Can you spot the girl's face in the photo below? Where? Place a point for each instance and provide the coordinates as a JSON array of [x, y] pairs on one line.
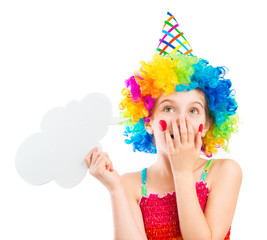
[[174, 106]]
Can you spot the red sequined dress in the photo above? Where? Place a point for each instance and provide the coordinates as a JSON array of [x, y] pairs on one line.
[[160, 214]]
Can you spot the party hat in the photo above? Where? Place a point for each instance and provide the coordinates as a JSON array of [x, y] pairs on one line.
[[173, 39]]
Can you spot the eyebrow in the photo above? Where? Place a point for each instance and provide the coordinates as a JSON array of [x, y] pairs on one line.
[[169, 100]]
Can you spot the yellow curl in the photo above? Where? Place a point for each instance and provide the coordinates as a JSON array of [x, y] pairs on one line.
[[131, 109]]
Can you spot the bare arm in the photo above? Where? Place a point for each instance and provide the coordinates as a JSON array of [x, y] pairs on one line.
[[127, 216], [220, 208], [125, 227], [193, 223], [223, 198]]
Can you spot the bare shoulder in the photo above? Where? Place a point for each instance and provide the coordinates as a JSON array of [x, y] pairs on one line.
[[226, 168], [130, 178], [228, 165], [131, 181]]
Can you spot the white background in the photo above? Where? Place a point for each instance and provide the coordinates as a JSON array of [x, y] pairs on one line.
[[52, 52]]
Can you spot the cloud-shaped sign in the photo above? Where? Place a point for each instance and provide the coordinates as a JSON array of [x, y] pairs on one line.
[[67, 135]]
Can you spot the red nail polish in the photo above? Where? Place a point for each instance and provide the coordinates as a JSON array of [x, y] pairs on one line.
[[200, 127], [162, 125]]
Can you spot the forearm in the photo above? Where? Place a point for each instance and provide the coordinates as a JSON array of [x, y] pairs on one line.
[[125, 227], [193, 223]]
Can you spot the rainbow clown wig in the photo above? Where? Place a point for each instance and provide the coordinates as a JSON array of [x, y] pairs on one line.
[[176, 71]]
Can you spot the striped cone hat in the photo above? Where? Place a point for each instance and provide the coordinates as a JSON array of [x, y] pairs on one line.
[[173, 39]]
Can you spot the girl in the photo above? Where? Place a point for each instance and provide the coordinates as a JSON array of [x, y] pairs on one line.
[[179, 107]]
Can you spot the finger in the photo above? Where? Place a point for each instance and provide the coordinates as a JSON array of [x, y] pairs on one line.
[[94, 167], [95, 156], [111, 166], [103, 160], [198, 141], [175, 133], [183, 130], [190, 130], [108, 165], [101, 163], [92, 150], [169, 141], [88, 157]]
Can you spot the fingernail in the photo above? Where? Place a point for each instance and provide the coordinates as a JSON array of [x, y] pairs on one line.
[[200, 127], [162, 125]]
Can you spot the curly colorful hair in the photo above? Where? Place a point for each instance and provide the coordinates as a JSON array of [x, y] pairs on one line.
[[178, 72]]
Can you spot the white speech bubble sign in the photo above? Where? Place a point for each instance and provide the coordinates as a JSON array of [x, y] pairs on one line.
[[67, 134]]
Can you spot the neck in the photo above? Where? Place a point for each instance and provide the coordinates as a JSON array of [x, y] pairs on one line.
[[163, 166]]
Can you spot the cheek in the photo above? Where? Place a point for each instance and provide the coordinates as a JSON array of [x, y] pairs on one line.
[[162, 125], [195, 124]]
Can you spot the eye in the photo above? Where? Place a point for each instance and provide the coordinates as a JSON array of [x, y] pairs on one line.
[[194, 111], [167, 108]]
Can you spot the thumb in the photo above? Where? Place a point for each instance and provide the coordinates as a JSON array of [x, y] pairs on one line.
[[95, 148]]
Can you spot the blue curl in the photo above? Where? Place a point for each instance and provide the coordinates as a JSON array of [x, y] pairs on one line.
[[140, 139]]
